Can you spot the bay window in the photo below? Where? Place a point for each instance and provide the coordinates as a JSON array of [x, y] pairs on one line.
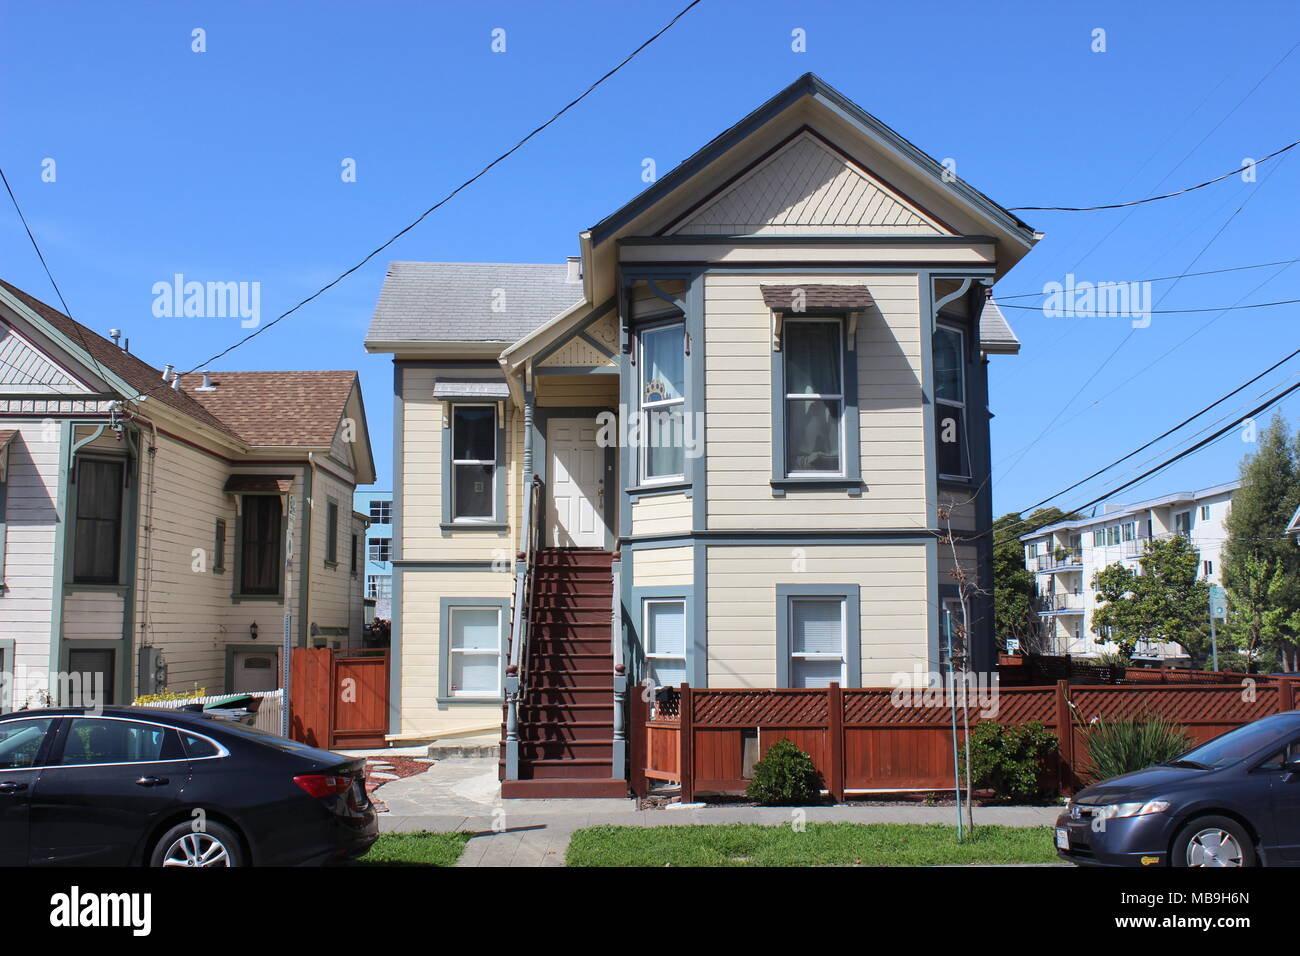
[[950, 403], [662, 394]]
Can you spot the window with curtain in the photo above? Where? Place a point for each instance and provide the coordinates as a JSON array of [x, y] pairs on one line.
[[260, 545], [474, 655], [665, 641], [663, 403], [474, 462], [817, 641], [950, 402], [814, 396], [97, 547]]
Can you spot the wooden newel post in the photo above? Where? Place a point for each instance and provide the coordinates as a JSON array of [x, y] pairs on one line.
[[637, 734], [1064, 737], [835, 727], [686, 753]]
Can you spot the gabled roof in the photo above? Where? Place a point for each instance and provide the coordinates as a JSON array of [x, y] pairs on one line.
[[808, 85], [468, 301], [276, 408], [138, 374]]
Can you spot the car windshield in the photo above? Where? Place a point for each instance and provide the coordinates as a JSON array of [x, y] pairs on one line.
[[1235, 745]]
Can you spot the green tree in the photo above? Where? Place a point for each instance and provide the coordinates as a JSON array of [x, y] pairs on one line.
[[1261, 563], [1165, 602], [1014, 594]]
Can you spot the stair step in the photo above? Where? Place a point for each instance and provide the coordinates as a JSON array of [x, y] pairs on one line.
[[571, 616], [574, 787], [543, 629], [533, 750], [543, 646], [551, 769], [569, 696], [574, 602], [593, 681], [577, 730]]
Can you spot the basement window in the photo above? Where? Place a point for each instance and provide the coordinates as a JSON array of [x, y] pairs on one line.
[[664, 626]]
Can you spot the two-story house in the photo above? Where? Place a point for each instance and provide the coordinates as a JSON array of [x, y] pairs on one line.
[[712, 448], [155, 527]]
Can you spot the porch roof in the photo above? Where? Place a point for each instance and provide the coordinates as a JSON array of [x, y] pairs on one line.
[[471, 388]]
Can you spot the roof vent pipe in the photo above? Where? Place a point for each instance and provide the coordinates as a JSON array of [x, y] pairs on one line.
[[207, 385], [167, 372], [176, 382], [575, 269], [115, 334]]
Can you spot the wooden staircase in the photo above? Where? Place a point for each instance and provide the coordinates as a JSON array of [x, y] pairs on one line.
[[566, 716]]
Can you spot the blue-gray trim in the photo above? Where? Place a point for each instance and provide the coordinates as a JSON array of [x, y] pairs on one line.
[[805, 240], [851, 453], [852, 627], [4, 493], [417, 564], [760, 538], [444, 645], [807, 85], [500, 522], [699, 672], [542, 416]]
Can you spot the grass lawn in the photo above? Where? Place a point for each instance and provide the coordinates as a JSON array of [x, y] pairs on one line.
[[821, 844], [415, 849]]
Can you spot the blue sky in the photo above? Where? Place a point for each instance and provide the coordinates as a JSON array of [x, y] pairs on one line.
[[225, 166]]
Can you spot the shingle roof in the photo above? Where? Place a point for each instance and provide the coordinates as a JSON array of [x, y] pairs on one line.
[[995, 331], [816, 296], [262, 408], [469, 301], [139, 374], [276, 408]]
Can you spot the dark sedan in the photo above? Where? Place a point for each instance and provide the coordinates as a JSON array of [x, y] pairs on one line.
[[1234, 801], [135, 786]]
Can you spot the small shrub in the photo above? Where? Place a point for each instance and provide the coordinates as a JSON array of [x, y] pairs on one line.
[[1008, 759], [168, 695], [1122, 746], [785, 777]]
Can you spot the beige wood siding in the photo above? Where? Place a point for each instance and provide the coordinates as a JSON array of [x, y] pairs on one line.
[[894, 605], [739, 442], [661, 514], [420, 651], [662, 567]]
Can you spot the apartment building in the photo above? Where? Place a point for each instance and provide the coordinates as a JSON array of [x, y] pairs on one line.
[[1064, 557], [378, 507]]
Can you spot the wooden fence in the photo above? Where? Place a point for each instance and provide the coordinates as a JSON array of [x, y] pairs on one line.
[[339, 698], [874, 739]]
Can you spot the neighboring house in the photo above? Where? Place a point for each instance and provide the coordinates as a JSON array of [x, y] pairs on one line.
[[1065, 556], [377, 506], [788, 334], [144, 520]]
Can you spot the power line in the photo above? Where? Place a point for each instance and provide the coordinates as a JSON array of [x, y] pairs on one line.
[[1139, 202], [1219, 308], [1186, 275], [445, 199]]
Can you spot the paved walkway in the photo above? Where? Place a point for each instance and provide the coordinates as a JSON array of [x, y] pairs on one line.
[[463, 795]]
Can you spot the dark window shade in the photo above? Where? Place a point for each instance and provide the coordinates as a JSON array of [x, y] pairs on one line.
[[949, 434], [353, 563], [259, 571], [98, 535], [474, 433], [219, 546], [92, 673], [332, 532]]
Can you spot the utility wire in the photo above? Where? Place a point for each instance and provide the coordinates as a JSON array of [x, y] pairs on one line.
[[1139, 202], [1219, 308], [445, 199], [1186, 275]]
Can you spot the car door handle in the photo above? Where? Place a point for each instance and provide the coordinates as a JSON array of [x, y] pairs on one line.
[[12, 787], [151, 781]]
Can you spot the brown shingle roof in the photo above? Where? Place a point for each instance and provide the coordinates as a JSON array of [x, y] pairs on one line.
[[276, 408], [262, 408], [816, 297], [138, 374]]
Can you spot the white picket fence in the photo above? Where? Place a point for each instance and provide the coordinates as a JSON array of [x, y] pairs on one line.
[[268, 712]]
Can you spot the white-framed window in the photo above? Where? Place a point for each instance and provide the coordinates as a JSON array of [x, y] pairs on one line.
[[379, 586], [662, 394], [381, 511], [813, 385], [1098, 539], [818, 641], [473, 463], [1183, 523], [1130, 530], [664, 627], [1205, 512], [474, 651], [379, 550], [1209, 569], [950, 402]]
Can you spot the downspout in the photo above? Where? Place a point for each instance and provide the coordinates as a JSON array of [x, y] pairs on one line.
[[146, 622]]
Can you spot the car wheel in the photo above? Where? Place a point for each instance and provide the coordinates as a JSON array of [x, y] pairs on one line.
[[1213, 841], [215, 845]]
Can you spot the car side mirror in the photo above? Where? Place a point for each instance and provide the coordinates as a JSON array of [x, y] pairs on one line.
[[1292, 767]]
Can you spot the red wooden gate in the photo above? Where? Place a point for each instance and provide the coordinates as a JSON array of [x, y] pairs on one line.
[[339, 698]]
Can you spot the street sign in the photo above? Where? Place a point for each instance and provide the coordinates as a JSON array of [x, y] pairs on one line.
[[1218, 602]]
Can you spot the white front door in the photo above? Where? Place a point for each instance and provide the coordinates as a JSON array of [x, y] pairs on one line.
[[575, 513]]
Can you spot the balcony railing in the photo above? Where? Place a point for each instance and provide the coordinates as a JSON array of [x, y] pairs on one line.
[[1059, 559], [1060, 602]]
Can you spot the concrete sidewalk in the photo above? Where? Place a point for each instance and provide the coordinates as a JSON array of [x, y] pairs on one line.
[[463, 795]]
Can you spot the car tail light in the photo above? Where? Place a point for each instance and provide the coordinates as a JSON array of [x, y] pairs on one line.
[[322, 784]]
